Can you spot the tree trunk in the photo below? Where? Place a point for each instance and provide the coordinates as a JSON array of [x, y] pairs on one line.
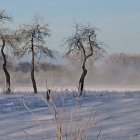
[[7, 75], [32, 68], [82, 80]]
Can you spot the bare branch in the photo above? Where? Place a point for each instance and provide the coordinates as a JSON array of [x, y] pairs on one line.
[[83, 41], [38, 31], [8, 36], [4, 16]]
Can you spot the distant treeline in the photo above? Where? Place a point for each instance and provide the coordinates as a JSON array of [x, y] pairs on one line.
[[26, 66], [116, 70]]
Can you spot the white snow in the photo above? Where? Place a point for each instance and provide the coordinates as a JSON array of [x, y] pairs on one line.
[[112, 115]]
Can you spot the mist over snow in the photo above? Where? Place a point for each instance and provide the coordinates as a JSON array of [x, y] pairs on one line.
[[111, 71]]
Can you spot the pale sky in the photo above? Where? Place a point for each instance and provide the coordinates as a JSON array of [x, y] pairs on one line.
[[118, 20]]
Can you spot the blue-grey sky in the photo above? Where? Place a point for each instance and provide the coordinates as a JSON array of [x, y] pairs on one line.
[[118, 20]]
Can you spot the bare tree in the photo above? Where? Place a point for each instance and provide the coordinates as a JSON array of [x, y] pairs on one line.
[[6, 38], [84, 43], [33, 40]]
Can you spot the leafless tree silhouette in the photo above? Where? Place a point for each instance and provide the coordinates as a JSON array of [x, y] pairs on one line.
[[84, 42], [6, 39], [33, 40]]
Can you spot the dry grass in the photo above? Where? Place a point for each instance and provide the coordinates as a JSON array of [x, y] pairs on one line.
[[70, 122]]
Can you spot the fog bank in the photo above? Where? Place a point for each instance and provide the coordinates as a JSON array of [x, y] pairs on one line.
[[112, 71]]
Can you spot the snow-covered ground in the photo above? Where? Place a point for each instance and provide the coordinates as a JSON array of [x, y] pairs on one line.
[[98, 115]]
